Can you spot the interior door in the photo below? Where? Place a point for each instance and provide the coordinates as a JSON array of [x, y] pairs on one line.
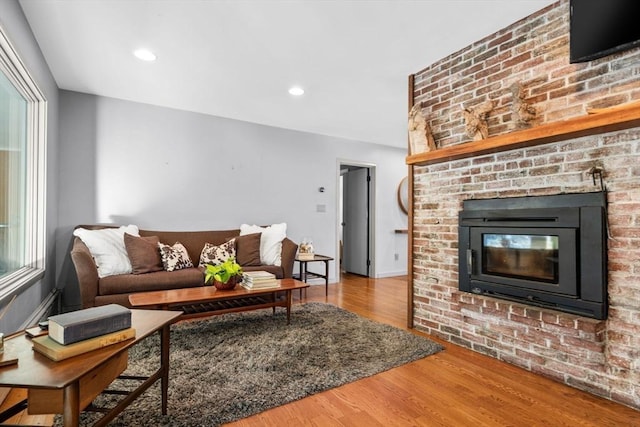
[[355, 258]]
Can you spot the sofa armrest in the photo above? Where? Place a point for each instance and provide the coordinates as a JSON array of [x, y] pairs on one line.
[[289, 250], [87, 272]]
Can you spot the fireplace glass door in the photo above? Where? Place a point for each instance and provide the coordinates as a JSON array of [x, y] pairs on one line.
[[537, 258], [523, 256]]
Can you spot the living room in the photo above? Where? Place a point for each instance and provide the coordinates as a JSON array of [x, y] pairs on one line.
[[88, 136], [83, 159], [119, 161]]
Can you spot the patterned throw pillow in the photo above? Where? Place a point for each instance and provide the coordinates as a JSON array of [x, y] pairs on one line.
[[174, 257], [214, 255]]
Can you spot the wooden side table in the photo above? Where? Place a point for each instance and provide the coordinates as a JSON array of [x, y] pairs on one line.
[[304, 272], [69, 386]]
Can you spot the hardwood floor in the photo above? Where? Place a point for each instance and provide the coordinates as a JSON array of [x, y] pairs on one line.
[[455, 387]]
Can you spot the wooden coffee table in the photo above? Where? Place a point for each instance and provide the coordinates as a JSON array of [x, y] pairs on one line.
[[69, 386], [207, 300]]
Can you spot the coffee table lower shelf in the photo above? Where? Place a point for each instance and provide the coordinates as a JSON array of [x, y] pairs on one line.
[[228, 306], [207, 300]]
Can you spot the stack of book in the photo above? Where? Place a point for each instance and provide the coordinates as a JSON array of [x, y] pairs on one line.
[[78, 332], [259, 280]]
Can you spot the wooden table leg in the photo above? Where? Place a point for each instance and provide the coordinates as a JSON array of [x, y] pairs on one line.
[[274, 296], [71, 405], [302, 278], [289, 297], [164, 366], [326, 278]]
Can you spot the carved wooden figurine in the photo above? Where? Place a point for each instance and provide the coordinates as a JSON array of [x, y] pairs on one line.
[[475, 120], [523, 112], [420, 137]]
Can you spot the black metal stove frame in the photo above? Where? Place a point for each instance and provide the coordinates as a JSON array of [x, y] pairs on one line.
[[579, 221]]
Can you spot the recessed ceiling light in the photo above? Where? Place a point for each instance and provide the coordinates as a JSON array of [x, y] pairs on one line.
[[144, 54], [296, 91]]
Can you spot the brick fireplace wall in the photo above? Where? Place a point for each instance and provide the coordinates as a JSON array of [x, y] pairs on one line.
[[600, 356]]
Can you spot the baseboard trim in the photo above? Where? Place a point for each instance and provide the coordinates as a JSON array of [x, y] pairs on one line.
[[391, 274], [313, 282], [44, 309]]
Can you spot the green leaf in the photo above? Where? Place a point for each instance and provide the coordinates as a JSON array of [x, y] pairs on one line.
[[222, 272]]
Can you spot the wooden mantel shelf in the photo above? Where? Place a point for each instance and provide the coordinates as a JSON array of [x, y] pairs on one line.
[[606, 120]]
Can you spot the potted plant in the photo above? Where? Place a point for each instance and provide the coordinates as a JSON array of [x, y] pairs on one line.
[[224, 276]]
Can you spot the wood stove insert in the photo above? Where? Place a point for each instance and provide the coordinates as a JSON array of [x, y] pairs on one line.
[[546, 251]]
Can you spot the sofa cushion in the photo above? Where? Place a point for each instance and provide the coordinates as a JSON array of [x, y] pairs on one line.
[[270, 241], [158, 280], [143, 253], [174, 257], [214, 255], [107, 248], [248, 249], [194, 241]]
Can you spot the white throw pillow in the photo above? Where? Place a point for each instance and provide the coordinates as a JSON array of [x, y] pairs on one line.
[[108, 249], [270, 241]]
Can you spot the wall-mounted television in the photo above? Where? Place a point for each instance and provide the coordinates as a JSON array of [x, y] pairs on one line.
[[601, 27]]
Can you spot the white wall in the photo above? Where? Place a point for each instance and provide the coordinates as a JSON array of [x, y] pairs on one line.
[[159, 168], [15, 26]]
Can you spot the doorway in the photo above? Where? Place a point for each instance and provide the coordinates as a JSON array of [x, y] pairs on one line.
[[356, 219]]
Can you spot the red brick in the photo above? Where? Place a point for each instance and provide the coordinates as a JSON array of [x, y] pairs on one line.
[[530, 356], [583, 344], [524, 320], [564, 113], [587, 74], [559, 90]]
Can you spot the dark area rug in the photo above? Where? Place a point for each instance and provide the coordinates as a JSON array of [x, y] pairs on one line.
[[232, 366]]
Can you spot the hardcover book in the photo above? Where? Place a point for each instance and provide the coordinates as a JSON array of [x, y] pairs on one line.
[[263, 285], [56, 351], [259, 275], [259, 279], [80, 325]]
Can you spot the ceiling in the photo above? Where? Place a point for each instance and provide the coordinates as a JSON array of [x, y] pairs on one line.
[[237, 59]]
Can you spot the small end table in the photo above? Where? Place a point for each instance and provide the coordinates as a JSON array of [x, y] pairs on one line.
[[304, 272], [69, 386]]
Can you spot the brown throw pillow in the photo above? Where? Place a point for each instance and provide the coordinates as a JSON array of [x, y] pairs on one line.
[[248, 249], [143, 253]]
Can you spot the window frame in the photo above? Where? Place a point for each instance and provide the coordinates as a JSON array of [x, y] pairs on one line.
[[33, 270]]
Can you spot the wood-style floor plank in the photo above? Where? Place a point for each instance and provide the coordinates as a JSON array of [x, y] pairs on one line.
[[456, 387]]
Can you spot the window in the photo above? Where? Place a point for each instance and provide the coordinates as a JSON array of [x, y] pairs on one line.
[[22, 174]]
